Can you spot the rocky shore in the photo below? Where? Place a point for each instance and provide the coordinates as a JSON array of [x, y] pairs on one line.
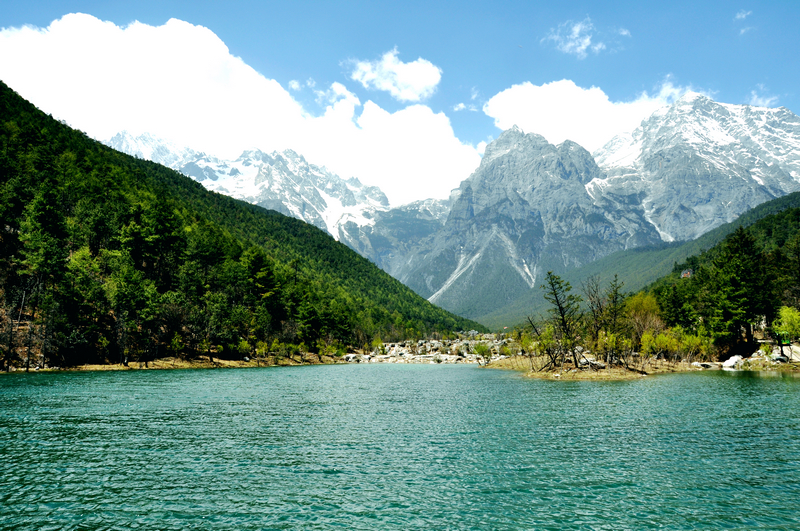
[[434, 351], [760, 360]]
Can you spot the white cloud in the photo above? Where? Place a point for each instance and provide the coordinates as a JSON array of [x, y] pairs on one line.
[[624, 32], [744, 30], [464, 107], [742, 14], [180, 82], [407, 82], [575, 38], [561, 110], [294, 85], [760, 100]]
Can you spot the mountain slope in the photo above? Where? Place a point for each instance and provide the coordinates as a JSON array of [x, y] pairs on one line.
[[280, 181], [699, 163], [106, 252]]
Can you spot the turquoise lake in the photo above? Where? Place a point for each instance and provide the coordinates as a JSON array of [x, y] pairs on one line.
[[397, 447]]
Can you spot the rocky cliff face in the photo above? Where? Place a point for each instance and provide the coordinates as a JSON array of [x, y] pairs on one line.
[[391, 240], [699, 163], [524, 211]]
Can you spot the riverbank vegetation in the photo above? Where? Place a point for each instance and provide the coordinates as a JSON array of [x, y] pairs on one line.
[[105, 258], [738, 298]]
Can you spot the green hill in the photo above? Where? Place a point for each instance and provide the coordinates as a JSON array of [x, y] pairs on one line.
[[103, 256], [638, 268]]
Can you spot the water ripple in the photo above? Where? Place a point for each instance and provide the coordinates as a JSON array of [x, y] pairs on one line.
[[396, 447]]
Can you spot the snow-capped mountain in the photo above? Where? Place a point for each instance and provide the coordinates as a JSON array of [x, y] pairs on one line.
[[523, 212], [697, 163], [530, 206], [281, 181]]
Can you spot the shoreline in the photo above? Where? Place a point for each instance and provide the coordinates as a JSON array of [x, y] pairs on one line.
[[176, 364], [435, 352], [654, 368], [172, 363]]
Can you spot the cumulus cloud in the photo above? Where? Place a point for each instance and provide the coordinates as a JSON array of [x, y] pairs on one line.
[[762, 100], [742, 14], [177, 80], [406, 82], [575, 38], [180, 82], [562, 110], [294, 85]]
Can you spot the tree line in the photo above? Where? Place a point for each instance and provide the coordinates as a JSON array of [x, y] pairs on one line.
[[713, 306]]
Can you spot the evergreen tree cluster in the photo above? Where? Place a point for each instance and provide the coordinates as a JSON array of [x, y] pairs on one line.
[[105, 258], [736, 288]]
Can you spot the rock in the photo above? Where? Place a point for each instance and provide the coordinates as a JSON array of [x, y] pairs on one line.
[[732, 363], [591, 362]]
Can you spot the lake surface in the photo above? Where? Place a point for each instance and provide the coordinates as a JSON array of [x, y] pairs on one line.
[[397, 447]]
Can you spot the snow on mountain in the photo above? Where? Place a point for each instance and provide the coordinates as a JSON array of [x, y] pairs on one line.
[[148, 147], [282, 181], [697, 163], [524, 211], [530, 207]]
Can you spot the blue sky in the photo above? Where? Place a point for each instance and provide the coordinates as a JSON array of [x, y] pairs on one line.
[[498, 63]]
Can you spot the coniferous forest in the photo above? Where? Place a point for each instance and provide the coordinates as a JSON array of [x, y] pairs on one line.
[[108, 258], [748, 283]]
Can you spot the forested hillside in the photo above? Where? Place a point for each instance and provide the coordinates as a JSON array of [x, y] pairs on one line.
[[740, 284], [105, 257]]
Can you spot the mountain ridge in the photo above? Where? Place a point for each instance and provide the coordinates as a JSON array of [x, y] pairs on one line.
[[532, 206]]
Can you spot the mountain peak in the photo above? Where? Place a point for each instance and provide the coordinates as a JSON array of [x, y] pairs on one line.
[[692, 96], [701, 163], [509, 140]]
